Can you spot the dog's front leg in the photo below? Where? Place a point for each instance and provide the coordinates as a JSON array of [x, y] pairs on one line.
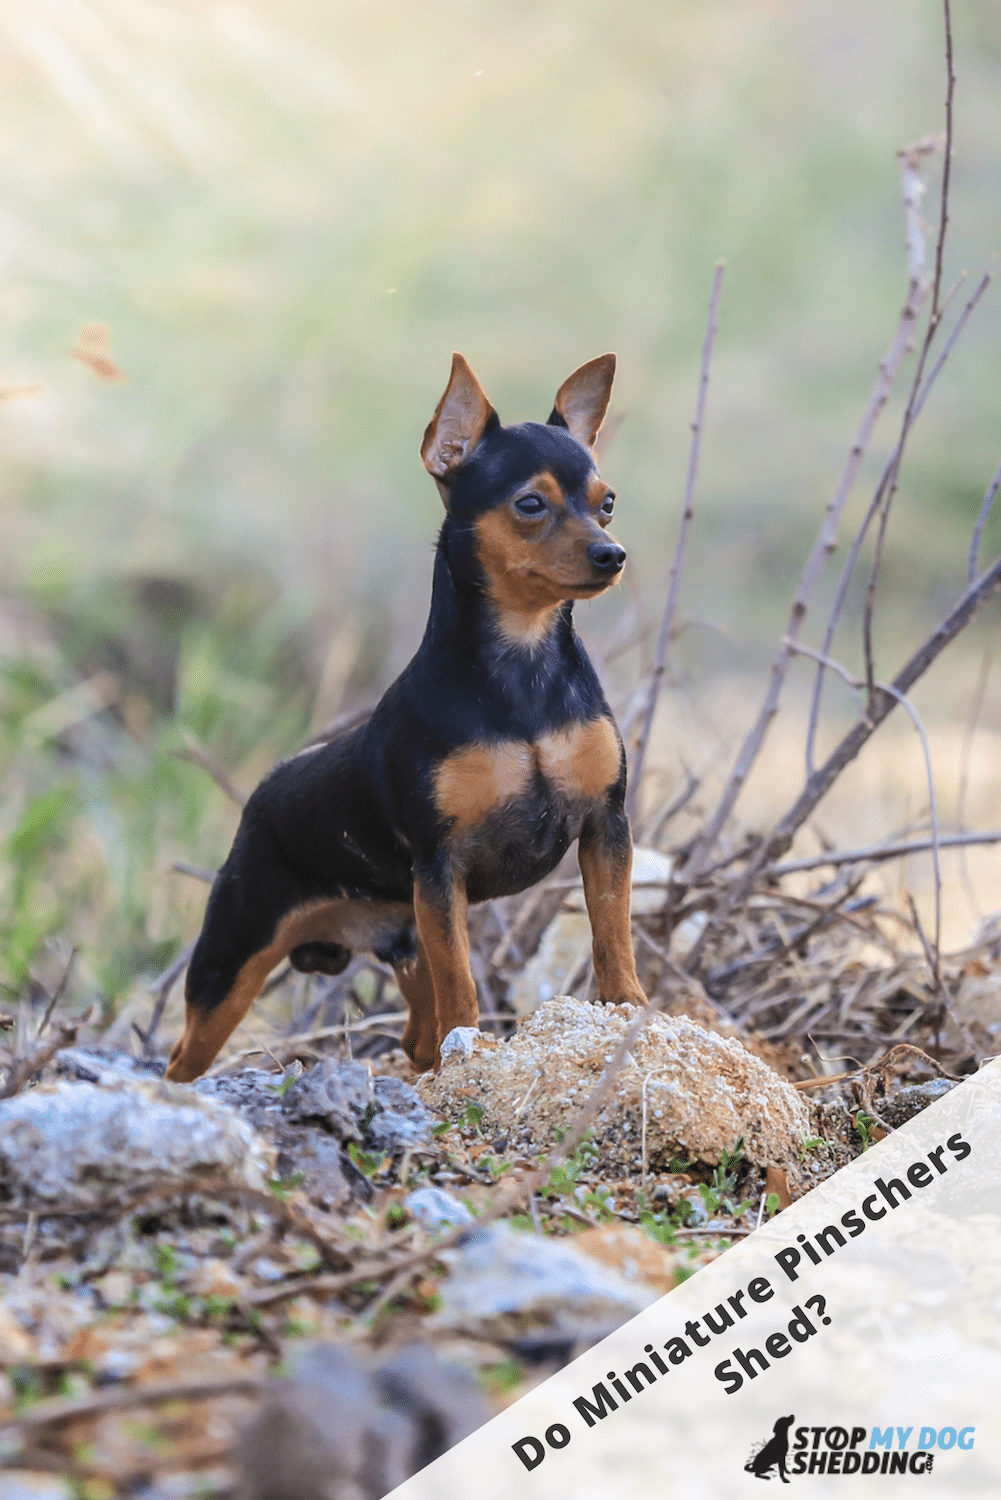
[[441, 908], [605, 854]]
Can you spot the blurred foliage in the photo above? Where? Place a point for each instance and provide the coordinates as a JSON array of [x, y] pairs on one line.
[[286, 216]]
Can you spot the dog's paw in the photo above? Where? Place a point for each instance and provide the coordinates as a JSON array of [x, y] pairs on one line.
[[459, 1043]]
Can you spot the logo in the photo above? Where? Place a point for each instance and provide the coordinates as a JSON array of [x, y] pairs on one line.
[[856, 1450]]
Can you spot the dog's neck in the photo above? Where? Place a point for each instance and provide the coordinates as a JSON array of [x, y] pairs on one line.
[[469, 645]]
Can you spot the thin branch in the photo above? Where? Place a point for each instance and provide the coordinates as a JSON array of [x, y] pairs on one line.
[[827, 538], [934, 319], [847, 572], [197, 754], [670, 608], [978, 530], [54, 1413], [161, 988], [59, 990], [24, 1068], [877, 853]]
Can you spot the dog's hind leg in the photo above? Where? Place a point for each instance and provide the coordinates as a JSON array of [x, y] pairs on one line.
[[444, 936], [420, 1039], [245, 934]]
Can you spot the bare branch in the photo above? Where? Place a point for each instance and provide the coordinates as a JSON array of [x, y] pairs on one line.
[[670, 608], [827, 538], [59, 990], [982, 518], [197, 754], [877, 853], [841, 593], [23, 1069]]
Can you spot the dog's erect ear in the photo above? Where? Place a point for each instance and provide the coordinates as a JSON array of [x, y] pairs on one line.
[[582, 399], [458, 422]]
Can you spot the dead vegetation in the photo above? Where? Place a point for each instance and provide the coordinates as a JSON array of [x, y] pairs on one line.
[[165, 1252]]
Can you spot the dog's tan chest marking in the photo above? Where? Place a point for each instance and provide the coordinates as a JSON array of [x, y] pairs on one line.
[[582, 759], [579, 762]]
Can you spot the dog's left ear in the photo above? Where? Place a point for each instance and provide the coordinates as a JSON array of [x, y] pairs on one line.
[[457, 425], [582, 399]]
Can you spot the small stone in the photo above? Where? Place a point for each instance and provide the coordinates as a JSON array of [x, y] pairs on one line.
[[433, 1209], [459, 1044]]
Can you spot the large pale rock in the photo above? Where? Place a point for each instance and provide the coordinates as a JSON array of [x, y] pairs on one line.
[[703, 1091], [81, 1143], [505, 1284]]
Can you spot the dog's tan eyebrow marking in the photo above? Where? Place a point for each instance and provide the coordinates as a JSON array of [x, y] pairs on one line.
[[597, 491]]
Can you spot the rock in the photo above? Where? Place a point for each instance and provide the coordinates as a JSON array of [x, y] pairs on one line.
[[347, 1428], [565, 945], [459, 1042], [81, 1143], [328, 1177], [254, 1093], [402, 1120], [703, 1091], [27, 1484], [433, 1209], [88, 1065], [339, 1094], [641, 1260], [504, 1284], [906, 1103]]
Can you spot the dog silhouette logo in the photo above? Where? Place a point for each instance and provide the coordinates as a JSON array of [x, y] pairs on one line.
[[772, 1454]]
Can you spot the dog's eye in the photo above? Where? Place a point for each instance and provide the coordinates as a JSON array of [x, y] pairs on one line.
[[529, 505], [608, 504]]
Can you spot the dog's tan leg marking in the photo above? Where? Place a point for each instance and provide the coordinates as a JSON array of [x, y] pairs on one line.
[[420, 1039], [607, 891], [444, 936], [206, 1031], [332, 921]]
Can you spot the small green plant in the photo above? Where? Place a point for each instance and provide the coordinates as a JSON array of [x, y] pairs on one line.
[[442, 1128], [864, 1125], [167, 1264], [282, 1187], [281, 1089], [812, 1143], [716, 1193], [500, 1378], [677, 1165], [772, 1204], [663, 1226], [563, 1179], [370, 1163], [474, 1114]]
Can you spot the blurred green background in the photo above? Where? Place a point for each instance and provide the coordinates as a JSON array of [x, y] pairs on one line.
[[286, 217]]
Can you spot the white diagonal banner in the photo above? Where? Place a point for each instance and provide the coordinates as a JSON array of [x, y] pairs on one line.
[[851, 1344]]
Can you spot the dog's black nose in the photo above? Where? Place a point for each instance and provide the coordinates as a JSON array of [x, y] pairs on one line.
[[607, 557]]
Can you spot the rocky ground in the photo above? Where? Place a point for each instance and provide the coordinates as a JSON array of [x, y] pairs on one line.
[[247, 1285]]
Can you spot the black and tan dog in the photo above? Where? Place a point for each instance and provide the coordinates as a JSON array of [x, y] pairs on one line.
[[487, 757]]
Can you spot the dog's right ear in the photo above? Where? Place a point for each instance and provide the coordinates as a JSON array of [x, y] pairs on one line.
[[457, 425]]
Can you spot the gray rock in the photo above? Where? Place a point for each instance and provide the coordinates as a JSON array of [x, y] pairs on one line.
[[338, 1094], [329, 1181], [459, 1043], [402, 1120], [254, 1093], [433, 1209], [906, 1103], [89, 1065], [504, 1283], [344, 1428], [82, 1143], [27, 1484]]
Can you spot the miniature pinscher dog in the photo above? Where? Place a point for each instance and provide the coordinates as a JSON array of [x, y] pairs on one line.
[[485, 759]]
